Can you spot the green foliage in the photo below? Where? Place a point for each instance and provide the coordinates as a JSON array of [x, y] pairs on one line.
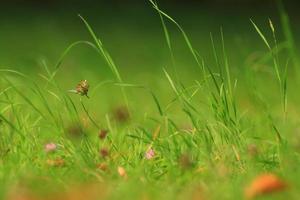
[[215, 131]]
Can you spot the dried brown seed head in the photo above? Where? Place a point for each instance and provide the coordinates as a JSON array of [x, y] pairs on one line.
[[102, 134], [102, 167], [121, 114], [82, 88], [104, 152]]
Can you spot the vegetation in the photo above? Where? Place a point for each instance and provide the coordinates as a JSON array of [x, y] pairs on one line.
[[203, 131]]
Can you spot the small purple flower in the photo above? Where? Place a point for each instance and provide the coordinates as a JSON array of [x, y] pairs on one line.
[[50, 147], [149, 154]]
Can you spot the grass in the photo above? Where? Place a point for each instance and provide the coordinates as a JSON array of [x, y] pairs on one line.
[[213, 126]]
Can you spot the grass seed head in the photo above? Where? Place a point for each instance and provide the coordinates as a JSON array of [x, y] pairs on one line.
[[102, 166], [74, 131], [104, 152], [121, 114], [185, 161], [103, 134], [82, 88]]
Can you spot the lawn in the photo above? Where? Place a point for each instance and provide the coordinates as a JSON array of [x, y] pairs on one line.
[[149, 103]]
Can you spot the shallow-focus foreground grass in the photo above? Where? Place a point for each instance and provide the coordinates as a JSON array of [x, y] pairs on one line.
[[203, 137]]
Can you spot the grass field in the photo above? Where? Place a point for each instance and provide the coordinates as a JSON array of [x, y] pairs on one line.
[[199, 108]]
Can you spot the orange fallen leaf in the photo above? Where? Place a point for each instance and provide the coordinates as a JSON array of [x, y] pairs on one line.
[[264, 184], [122, 172]]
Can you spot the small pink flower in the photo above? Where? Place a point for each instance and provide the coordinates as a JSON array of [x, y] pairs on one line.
[[50, 147], [149, 154]]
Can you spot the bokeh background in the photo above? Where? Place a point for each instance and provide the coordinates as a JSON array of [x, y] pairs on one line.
[[32, 31]]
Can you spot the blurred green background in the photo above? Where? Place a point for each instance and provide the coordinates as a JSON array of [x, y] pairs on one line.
[[130, 29], [33, 31]]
